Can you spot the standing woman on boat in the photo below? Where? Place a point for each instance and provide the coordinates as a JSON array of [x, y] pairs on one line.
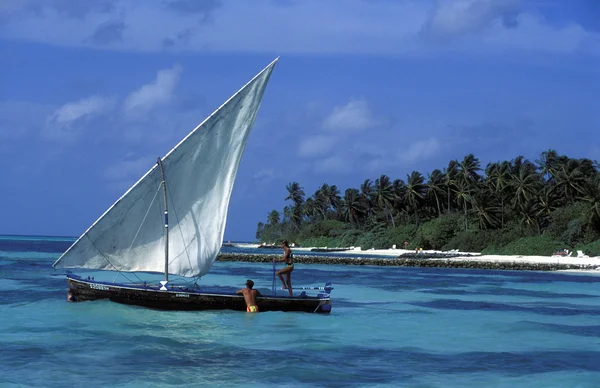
[[288, 259]]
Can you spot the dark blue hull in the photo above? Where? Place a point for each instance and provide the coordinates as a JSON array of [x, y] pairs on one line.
[[185, 298]]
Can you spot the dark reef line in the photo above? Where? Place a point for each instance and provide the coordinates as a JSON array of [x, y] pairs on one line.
[[408, 262]]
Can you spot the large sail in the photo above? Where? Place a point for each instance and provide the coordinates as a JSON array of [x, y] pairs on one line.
[[200, 172]]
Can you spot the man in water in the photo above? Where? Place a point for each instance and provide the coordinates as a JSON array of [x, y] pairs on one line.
[[288, 258], [249, 296]]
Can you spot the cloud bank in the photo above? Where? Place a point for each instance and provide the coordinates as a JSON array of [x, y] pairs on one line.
[[349, 26]]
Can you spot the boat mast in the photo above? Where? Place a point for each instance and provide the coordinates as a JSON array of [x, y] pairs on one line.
[[164, 186]]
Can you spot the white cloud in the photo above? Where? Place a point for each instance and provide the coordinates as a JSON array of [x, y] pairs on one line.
[[157, 93], [534, 35], [86, 107], [69, 121], [453, 18], [351, 26], [316, 145], [264, 175], [332, 145], [336, 164], [419, 150], [354, 116], [66, 122]]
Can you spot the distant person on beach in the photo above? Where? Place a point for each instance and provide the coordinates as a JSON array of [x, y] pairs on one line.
[[249, 296], [288, 259]]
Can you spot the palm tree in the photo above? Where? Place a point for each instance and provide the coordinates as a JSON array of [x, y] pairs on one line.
[[353, 206], [273, 218], [399, 189], [525, 184], [547, 163], [435, 188], [468, 170], [519, 163], [450, 180], [311, 210], [498, 178], [332, 197], [259, 231], [527, 211], [296, 195], [570, 180], [366, 196], [463, 197], [320, 201], [486, 209], [591, 195], [588, 168], [287, 215], [384, 196], [547, 202], [415, 192]]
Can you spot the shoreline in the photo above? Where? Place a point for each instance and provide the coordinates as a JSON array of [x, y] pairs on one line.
[[516, 263]]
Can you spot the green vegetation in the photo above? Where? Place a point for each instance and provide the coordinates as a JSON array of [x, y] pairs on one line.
[[511, 207]]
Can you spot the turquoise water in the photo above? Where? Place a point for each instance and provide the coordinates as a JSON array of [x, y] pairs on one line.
[[389, 327]]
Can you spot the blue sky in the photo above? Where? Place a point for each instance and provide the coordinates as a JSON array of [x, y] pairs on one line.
[[92, 92]]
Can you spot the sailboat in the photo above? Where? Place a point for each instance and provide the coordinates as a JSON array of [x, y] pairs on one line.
[[172, 221]]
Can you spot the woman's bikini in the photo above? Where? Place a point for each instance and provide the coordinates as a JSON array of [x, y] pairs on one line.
[[291, 261]]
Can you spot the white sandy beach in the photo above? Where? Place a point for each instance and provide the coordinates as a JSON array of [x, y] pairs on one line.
[[476, 256]]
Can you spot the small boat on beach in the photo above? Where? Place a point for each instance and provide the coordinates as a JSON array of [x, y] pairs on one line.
[[172, 222]]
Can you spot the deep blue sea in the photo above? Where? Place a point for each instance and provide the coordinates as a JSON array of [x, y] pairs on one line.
[[389, 327]]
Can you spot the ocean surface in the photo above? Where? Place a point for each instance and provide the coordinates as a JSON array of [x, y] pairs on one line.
[[389, 327]]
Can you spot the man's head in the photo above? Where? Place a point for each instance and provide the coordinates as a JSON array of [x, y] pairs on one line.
[[249, 283], [285, 243]]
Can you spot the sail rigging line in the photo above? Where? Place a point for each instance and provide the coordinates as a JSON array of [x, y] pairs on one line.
[[138, 232], [109, 262], [143, 220], [185, 246]]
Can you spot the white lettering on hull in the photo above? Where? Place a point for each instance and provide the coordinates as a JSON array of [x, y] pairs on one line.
[[100, 287]]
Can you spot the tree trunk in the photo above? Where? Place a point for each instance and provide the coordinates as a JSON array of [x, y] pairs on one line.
[[466, 219], [502, 211]]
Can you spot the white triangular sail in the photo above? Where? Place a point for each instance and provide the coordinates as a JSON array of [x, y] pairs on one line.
[[200, 172]]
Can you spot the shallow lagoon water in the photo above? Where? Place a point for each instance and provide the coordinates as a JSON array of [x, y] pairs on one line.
[[389, 327]]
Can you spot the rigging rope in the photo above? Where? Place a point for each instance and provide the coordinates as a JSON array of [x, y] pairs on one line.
[[185, 246], [136, 235], [108, 261], [144, 219]]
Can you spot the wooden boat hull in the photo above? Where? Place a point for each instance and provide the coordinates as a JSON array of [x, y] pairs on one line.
[[184, 298]]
